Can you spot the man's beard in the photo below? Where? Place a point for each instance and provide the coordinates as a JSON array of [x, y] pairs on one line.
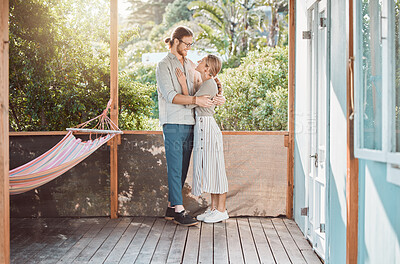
[[180, 52]]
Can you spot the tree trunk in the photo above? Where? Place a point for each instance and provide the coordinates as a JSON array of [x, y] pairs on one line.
[[273, 27]]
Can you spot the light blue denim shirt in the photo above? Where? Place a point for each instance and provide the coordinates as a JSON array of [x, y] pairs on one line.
[[168, 87]]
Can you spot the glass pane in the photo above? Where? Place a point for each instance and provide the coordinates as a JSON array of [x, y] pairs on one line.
[[371, 111], [397, 73]]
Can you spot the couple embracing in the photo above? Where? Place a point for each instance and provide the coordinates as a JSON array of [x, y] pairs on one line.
[[187, 95]]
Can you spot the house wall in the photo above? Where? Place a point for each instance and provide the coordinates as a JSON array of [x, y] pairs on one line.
[[255, 163], [336, 210], [336, 175], [379, 215]]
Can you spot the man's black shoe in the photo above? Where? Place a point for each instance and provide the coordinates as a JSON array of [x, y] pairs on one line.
[[184, 219], [170, 213]]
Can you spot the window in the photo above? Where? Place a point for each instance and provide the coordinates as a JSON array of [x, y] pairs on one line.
[[369, 80], [395, 105], [377, 83], [393, 156]]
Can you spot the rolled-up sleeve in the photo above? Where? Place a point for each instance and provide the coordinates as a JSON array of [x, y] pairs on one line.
[[164, 82]]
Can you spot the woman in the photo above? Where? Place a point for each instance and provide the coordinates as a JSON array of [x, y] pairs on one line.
[[208, 158]]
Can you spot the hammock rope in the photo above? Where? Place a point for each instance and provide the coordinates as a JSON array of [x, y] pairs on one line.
[[64, 155]]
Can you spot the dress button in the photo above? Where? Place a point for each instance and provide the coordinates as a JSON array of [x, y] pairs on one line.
[[201, 129], [201, 139]]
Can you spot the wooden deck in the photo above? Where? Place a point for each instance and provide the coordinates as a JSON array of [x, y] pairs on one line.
[[155, 240]]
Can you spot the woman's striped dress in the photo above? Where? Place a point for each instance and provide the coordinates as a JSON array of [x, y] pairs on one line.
[[209, 173]]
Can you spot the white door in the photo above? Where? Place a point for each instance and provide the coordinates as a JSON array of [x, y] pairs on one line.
[[318, 137]]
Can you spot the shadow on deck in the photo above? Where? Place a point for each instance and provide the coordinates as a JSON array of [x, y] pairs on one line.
[[155, 240]]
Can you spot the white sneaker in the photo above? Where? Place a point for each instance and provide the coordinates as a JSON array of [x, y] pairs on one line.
[[216, 217], [203, 215]]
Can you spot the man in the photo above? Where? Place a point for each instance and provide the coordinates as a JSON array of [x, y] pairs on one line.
[[176, 120]]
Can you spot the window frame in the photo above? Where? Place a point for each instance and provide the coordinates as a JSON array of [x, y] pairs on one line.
[[365, 153], [387, 34], [392, 157]]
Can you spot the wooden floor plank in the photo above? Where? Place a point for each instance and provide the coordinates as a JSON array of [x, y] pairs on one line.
[[261, 242], [291, 248], [301, 242], [175, 254], [111, 241], [234, 247], [33, 231], [220, 243], [96, 242], [147, 251], [122, 245], [206, 243], [83, 240], [41, 235], [310, 256], [137, 242], [297, 235], [164, 244], [53, 250], [153, 240], [84, 226], [274, 241], [192, 246], [246, 237]]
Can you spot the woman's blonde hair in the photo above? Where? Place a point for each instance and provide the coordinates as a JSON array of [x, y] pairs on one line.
[[214, 64]]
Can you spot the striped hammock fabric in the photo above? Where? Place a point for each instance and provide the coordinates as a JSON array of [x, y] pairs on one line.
[[62, 157]]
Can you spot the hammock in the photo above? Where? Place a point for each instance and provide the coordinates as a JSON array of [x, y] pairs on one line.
[[63, 156]]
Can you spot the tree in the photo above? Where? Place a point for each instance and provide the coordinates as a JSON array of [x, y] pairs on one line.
[[177, 11], [222, 24], [143, 11], [277, 6], [59, 66], [230, 25]]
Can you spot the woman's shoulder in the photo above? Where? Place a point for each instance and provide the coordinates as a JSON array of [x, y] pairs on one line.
[[210, 83], [209, 86]]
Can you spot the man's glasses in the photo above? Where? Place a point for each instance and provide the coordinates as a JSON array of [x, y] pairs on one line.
[[188, 45]]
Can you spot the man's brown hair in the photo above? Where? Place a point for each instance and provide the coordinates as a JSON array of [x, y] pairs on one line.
[[179, 33]]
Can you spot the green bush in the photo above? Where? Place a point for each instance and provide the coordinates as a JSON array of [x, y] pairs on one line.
[[256, 92], [136, 104], [60, 68]]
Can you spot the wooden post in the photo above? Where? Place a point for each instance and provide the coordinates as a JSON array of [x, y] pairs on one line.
[[352, 162], [114, 107], [290, 155], [4, 144]]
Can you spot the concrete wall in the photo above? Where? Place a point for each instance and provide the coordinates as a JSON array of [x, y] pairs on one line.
[[255, 164]]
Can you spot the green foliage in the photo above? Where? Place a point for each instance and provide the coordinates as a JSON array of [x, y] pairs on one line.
[[177, 11], [54, 65], [143, 73], [136, 104], [146, 74], [59, 67], [256, 92], [147, 10]]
